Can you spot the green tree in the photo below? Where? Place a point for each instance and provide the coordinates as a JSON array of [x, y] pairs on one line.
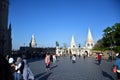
[[117, 34], [107, 36], [99, 44], [110, 38]]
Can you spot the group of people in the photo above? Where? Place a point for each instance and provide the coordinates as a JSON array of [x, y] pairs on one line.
[[116, 68], [20, 69]]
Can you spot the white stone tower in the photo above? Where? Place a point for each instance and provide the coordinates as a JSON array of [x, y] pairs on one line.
[[89, 41], [33, 42], [73, 47]]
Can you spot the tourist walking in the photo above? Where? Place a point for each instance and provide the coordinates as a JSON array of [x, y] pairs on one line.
[[51, 57], [27, 73], [70, 55], [54, 58], [47, 62], [84, 56], [117, 65], [110, 56], [99, 57], [74, 58]]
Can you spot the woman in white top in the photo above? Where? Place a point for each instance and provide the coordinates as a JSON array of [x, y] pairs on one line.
[[73, 59], [18, 66]]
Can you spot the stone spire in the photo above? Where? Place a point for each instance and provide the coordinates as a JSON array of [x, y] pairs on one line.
[[33, 42], [89, 40], [73, 43]]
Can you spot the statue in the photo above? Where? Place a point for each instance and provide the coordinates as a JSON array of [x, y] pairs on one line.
[[57, 44]]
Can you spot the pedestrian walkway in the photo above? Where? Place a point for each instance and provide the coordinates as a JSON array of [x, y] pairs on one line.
[[64, 69]]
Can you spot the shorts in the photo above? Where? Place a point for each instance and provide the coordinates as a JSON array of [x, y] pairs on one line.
[[47, 66]]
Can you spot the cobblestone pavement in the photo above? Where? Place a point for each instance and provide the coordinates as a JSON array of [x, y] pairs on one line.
[[64, 69]]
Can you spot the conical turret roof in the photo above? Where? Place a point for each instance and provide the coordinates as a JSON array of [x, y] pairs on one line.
[[89, 37]]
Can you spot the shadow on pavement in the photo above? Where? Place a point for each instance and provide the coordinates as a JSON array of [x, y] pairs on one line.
[[38, 75], [105, 74], [53, 67], [97, 63], [45, 77]]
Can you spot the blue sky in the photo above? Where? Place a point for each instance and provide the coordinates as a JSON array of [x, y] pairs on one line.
[[58, 20]]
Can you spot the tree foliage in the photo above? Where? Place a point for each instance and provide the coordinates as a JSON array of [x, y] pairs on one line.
[[111, 38]]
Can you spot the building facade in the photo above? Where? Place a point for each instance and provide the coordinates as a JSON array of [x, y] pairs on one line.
[[74, 49], [5, 30]]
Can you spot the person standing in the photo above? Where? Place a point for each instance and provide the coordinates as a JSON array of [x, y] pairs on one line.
[[74, 58], [110, 56], [47, 62], [5, 69], [12, 64], [19, 68], [51, 57], [84, 56], [117, 65], [27, 73], [99, 58], [54, 58]]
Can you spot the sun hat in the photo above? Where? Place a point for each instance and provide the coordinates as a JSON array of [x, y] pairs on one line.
[[11, 60]]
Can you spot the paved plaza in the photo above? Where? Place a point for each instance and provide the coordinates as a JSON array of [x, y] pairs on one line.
[[64, 69]]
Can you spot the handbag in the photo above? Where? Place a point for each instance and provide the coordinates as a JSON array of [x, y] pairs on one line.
[[115, 69]]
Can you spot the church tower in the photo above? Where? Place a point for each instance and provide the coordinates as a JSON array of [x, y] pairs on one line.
[[73, 47], [33, 42], [5, 31], [89, 41]]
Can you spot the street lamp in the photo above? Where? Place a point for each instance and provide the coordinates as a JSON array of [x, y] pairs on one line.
[[111, 45], [79, 49]]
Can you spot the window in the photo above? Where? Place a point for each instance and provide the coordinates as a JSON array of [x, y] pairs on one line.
[[88, 44], [3, 5], [91, 44]]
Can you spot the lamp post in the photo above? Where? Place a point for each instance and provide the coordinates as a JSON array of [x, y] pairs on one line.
[[111, 55], [111, 46], [79, 50]]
